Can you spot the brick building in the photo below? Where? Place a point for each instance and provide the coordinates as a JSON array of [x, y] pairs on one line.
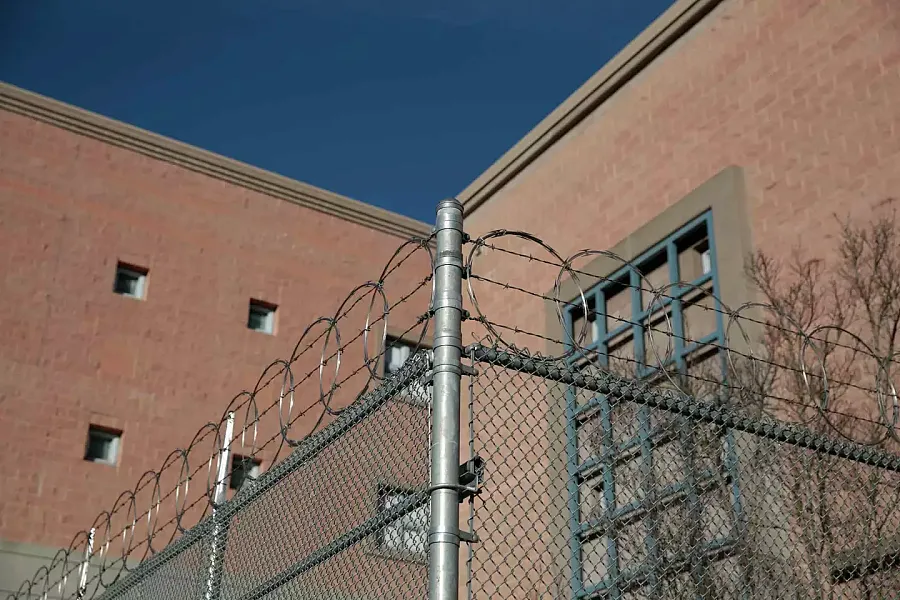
[[135, 269], [725, 127]]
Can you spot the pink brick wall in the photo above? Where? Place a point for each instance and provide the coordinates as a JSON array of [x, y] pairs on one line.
[[802, 94], [75, 353]]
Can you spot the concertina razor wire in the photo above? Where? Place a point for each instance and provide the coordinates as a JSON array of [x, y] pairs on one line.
[[629, 435], [167, 505]]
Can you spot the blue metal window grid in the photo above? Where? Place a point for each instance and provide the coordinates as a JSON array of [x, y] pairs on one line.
[[618, 580]]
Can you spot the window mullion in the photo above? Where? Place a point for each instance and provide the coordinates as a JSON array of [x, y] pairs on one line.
[[693, 527], [609, 497], [687, 255], [651, 540], [600, 319], [637, 328], [677, 321]]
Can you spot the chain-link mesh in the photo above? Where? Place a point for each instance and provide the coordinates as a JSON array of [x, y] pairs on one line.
[[181, 574], [312, 483], [658, 455], [343, 517], [597, 486]]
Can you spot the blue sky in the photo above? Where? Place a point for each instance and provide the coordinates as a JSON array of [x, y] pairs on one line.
[[398, 103]]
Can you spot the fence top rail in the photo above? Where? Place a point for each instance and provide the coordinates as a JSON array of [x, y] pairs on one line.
[[676, 402], [681, 296]]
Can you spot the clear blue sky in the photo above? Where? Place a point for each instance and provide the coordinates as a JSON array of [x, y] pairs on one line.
[[398, 103]]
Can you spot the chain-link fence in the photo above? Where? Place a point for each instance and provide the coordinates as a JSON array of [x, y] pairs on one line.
[[597, 486], [662, 446], [314, 482], [643, 440], [344, 517]]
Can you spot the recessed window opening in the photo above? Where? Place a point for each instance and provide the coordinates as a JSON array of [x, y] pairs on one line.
[[396, 353], [261, 317], [102, 445], [408, 534], [130, 281], [620, 444], [243, 469]]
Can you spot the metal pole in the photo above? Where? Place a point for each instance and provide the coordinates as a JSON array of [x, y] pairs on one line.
[[88, 551], [216, 562], [470, 549], [443, 534]]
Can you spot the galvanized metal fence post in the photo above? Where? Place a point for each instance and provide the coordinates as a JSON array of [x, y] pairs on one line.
[[220, 531], [443, 535]]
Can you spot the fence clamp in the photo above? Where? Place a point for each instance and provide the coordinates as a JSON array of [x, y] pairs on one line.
[[427, 377], [468, 537], [471, 473]]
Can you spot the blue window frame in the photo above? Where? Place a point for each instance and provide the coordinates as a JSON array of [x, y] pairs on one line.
[[654, 500]]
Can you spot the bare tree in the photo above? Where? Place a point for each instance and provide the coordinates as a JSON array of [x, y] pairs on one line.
[[818, 350], [825, 353]]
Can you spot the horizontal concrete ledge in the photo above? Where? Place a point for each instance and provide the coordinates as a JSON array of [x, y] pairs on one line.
[[636, 56], [110, 131]]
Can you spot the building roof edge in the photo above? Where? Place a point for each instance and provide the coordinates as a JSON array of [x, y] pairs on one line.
[[637, 55], [89, 124]]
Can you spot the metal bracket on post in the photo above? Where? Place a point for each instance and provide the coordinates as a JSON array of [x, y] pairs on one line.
[[427, 377], [85, 565], [471, 474], [443, 533], [469, 538], [220, 530]]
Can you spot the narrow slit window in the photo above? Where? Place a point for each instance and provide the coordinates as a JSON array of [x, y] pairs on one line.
[[396, 353], [102, 445], [243, 469], [261, 317], [407, 535], [130, 281]]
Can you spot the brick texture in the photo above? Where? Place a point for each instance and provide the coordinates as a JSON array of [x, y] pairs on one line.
[[74, 353], [800, 93]]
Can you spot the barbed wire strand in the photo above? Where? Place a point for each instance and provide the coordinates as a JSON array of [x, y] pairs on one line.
[[628, 264], [671, 334], [127, 500], [718, 382]]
